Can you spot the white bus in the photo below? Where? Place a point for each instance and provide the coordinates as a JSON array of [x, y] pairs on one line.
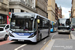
[[64, 25], [28, 27]]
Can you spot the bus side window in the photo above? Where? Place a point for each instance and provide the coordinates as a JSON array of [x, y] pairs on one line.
[[45, 23], [40, 22]]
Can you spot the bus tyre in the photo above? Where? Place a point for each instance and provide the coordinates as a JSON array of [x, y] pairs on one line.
[[40, 36], [6, 36], [48, 33]]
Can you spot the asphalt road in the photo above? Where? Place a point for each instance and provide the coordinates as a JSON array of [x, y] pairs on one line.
[[33, 46]]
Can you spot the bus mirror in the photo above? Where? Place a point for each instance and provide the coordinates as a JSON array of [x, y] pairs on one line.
[[38, 20], [32, 18]]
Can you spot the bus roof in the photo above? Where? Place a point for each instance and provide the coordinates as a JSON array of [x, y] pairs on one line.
[[32, 14]]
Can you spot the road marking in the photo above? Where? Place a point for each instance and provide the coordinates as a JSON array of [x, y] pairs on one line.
[[45, 45], [20, 47], [50, 45], [45, 41], [69, 37], [53, 36], [73, 37]]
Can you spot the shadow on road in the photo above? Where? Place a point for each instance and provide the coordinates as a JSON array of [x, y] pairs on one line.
[[64, 33], [2, 40]]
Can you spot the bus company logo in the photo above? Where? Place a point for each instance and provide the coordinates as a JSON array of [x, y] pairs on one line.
[[21, 34]]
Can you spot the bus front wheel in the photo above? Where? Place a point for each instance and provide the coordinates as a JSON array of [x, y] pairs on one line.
[[48, 33], [40, 36]]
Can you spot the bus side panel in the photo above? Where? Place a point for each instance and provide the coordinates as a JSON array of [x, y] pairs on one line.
[[44, 32]]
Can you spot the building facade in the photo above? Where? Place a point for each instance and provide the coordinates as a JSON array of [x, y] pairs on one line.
[[56, 11], [60, 12], [22, 6], [41, 7], [51, 10], [73, 9], [33, 6], [4, 7]]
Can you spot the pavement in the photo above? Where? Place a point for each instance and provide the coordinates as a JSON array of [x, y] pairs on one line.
[[2, 42], [62, 44], [73, 35]]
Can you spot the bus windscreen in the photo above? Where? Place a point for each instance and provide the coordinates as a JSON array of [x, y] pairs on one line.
[[22, 24]]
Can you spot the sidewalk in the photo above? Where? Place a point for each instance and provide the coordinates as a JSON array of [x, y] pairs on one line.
[[73, 34], [5, 42], [64, 44], [68, 44]]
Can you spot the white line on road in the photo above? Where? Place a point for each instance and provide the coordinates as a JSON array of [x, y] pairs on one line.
[[20, 47], [73, 37], [50, 45], [45, 41], [53, 36]]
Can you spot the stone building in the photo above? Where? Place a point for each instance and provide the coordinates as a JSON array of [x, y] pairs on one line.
[[60, 12], [4, 7], [22, 6], [41, 7], [56, 11], [33, 6], [73, 9], [51, 10]]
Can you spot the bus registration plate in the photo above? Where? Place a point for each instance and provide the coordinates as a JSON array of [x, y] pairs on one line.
[[20, 40]]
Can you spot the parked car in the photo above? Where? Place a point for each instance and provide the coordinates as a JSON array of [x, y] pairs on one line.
[[4, 31]]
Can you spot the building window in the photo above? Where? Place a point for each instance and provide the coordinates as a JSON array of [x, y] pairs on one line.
[[11, 10], [22, 10], [3, 19]]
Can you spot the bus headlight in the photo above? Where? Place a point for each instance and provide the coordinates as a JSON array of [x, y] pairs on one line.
[[32, 35], [11, 35]]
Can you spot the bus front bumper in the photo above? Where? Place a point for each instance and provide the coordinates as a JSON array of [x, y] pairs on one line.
[[64, 31], [33, 39]]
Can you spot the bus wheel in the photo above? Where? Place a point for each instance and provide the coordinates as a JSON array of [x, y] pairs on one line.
[[48, 33], [40, 36]]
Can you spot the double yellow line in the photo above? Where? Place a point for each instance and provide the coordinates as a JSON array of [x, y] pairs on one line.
[[45, 45]]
